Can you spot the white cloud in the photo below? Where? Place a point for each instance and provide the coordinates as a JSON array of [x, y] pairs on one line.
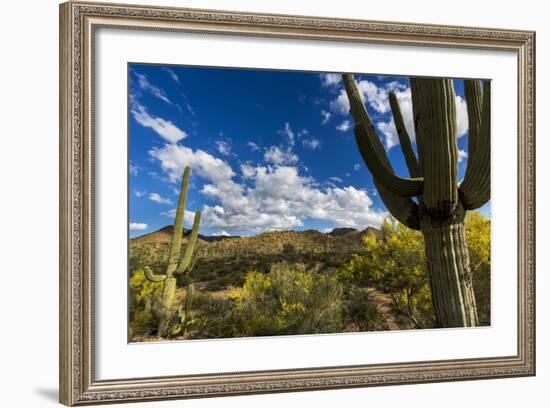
[[357, 167], [133, 170], [389, 132], [344, 126], [173, 159], [221, 233], [462, 155], [156, 197], [274, 197], [223, 148], [281, 198], [375, 96], [139, 193], [138, 226], [288, 133], [253, 146], [279, 156], [311, 144], [330, 80], [336, 179], [247, 170], [326, 116], [164, 128], [461, 117], [188, 217], [145, 85], [172, 74]]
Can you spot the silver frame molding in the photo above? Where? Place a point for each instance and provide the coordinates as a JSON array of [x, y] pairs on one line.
[[78, 22]]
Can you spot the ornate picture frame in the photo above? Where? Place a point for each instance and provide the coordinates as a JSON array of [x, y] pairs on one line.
[[79, 22]]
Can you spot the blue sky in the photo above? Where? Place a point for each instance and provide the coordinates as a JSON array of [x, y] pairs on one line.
[[268, 150]]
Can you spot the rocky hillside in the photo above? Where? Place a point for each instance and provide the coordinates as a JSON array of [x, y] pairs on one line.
[[224, 261]]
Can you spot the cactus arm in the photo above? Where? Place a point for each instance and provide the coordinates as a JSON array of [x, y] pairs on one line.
[[475, 190], [150, 275], [187, 256], [366, 140], [474, 105], [434, 109], [404, 210], [404, 139], [175, 245], [372, 150]]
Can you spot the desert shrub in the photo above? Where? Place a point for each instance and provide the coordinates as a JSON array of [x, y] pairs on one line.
[[478, 233], [290, 300], [395, 264], [215, 318], [360, 313], [144, 295]]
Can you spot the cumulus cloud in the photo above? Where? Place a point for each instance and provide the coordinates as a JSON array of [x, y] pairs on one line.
[[247, 170], [330, 80], [173, 159], [336, 179], [221, 233], [462, 155], [278, 156], [223, 148], [357, 167], [344, 126], [311, 144], [164, 128], [156, 197], [326, 116], [281, 198], [461, 117], [389, 131], [139, 194], [253, 146], [275, 197], [377, 98], [138, 226]]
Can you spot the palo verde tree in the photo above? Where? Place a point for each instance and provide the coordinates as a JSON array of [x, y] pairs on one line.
[[440, 205], [177, 265]]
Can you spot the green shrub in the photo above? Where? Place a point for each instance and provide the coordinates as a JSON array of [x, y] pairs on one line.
[[290, 300], [478, 234], [395, 265], [215, 318], [360, 312], [144, 295]]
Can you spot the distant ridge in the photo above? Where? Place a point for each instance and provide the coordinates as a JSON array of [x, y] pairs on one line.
[[165, 235]]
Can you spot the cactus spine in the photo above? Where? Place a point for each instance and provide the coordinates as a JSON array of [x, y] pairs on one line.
[[441, 204], [177, 265]]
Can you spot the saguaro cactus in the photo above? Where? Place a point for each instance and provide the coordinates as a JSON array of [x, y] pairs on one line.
[[441, 204], [176, 264]]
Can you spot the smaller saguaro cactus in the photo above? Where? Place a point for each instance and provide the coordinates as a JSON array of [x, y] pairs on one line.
[[177, 265]]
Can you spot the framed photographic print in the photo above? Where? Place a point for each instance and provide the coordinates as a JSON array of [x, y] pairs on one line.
[[261, 203]]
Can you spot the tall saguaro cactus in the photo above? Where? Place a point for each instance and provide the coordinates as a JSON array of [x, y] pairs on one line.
[[441, 204], [177, 265]]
